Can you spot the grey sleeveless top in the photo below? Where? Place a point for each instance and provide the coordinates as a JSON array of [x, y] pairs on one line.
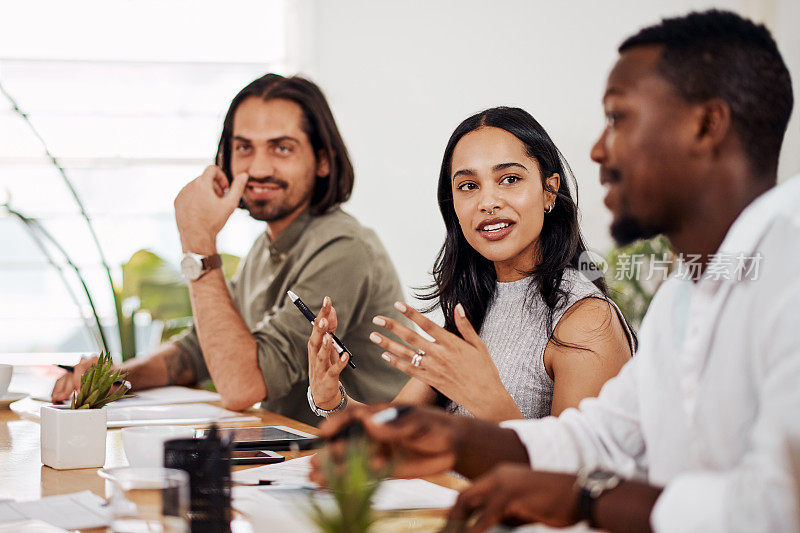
[[515, 331]]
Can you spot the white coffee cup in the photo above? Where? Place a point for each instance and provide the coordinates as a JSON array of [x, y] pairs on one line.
[[144, 445], [5, 378]]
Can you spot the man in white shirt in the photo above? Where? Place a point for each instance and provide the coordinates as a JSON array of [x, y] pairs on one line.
[[693, 434]]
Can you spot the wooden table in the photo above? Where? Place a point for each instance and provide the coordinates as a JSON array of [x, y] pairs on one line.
[[23, 477]]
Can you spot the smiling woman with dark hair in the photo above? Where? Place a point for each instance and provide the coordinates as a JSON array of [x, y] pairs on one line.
[[549, 336]]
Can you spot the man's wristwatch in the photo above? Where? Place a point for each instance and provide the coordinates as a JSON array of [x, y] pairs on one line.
[[592, 485], [324, 412], [193, 266]]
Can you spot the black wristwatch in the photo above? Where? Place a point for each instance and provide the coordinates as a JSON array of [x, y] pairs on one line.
[[592, 485]]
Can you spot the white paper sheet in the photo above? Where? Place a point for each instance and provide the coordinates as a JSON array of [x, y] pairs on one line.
[[186, 413], [393, 494], [31, 526], [580, 527], [158, 396], [294, 471], [268, 514], [398, 494], [79, 510], [153, 415], [166, 395]]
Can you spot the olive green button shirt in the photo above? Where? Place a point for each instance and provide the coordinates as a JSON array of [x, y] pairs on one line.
[[316, 256]]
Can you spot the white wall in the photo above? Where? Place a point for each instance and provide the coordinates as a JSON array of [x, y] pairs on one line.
[[401, 75]]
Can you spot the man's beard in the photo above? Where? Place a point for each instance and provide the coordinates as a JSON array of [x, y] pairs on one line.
[[270, 211], [626, 229]]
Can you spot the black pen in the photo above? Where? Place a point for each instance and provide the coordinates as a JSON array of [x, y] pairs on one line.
[[71, 369], [339, 345]]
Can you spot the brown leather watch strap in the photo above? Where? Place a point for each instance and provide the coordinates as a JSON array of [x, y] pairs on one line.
[[210, 262]]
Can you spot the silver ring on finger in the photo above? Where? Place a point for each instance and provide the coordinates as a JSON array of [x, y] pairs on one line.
[[417, 359]]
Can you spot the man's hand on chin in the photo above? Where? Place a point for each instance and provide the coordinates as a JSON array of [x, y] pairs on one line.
[[203, 207]]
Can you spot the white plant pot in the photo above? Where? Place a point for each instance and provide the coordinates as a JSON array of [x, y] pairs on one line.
[[73, 438]]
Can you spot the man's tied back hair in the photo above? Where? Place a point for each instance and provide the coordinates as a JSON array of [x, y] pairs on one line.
[[718, 54], [318, 124]]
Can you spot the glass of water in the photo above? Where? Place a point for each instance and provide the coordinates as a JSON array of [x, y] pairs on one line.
[[152, 500]]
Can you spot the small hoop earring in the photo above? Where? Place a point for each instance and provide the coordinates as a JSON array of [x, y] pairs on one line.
[[550, 209]]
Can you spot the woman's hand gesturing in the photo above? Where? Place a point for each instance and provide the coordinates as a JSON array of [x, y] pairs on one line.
[[458, 367], [324, 364]]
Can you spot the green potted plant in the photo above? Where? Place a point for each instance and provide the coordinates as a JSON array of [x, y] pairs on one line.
[[74, 436], [635, 272], [353, 484]]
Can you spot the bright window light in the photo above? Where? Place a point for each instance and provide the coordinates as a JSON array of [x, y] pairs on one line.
[[129, 97]]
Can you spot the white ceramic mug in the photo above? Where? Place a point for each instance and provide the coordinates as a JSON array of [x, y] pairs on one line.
[[144, 445], [5, 378]]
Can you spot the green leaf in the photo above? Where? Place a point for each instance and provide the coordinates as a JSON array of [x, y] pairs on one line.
[[86, 380], [105, 383], [113, 398], [97, 374], [91, 399], [97, 385]]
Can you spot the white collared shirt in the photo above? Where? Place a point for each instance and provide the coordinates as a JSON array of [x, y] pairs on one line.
[[709, 403]]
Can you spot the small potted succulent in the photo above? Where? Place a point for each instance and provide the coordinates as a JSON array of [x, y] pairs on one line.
[[353, 485], [74, 436]]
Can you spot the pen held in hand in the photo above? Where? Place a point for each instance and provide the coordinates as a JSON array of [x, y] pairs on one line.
[[337, 344], [71, 369]]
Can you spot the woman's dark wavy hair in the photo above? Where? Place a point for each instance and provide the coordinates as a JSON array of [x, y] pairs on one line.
[[318, 124], [461, 274]]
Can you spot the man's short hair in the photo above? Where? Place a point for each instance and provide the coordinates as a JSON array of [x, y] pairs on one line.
[[318, 124], [718, 54]]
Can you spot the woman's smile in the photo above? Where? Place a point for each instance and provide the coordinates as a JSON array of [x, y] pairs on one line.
[[495, 229]]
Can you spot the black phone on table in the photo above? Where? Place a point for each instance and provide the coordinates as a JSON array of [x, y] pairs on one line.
[[256, 457]]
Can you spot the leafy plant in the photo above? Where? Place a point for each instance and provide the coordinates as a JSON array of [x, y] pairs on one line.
[[97, 384], [353, 485], [635, 272], [152, 284]]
